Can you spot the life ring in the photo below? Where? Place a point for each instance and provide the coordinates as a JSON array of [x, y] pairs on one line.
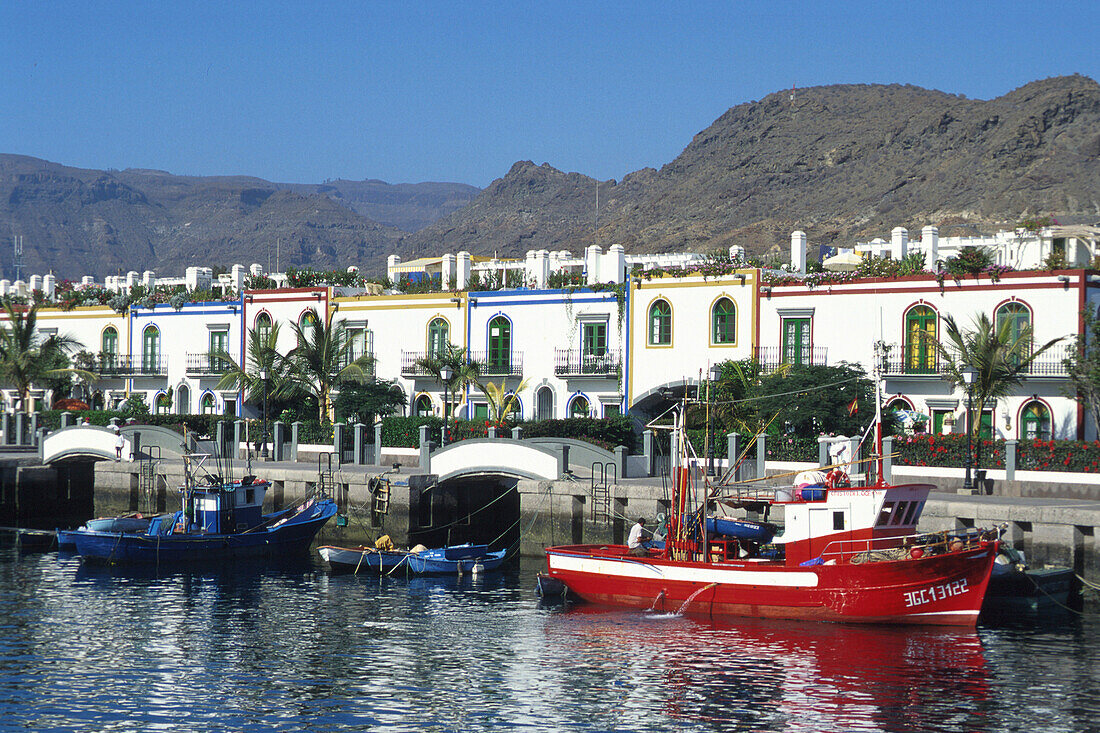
[[837, 479]]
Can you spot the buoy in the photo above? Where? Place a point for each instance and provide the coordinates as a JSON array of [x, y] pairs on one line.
[[916, 553]]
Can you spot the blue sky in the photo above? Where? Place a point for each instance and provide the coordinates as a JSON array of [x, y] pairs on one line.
[[458, 91]]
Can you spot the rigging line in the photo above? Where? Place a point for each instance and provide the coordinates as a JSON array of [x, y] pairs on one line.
[[786, 394], [457, 522]]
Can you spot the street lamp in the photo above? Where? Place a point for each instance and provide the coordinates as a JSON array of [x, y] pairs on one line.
[[445, 374], [969, 374], [263, 432], [715, 373]]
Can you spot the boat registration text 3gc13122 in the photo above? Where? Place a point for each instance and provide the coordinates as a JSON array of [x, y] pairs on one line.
[[935, 593]]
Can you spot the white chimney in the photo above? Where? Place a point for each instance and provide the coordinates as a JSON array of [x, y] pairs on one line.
[[899, 243], [463, 267], [447, 275], [737, 253], [391, 267], [930, 239], [798, 251], [49, 283], [616, 256], [592, 263]]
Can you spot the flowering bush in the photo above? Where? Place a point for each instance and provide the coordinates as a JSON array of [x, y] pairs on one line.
[[946, 450], [791, 448], [1058, 455]]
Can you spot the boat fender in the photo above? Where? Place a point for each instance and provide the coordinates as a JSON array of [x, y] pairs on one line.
[[916, 553]]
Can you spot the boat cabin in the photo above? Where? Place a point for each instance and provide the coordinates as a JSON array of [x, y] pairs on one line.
[[220, 508], [847, 520]]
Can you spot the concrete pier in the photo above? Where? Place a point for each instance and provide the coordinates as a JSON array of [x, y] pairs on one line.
[[537, 514]]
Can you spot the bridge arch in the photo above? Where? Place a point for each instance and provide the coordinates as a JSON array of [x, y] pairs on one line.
[[498, 456], [98, 443]]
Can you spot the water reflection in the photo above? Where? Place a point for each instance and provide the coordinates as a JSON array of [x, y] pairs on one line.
[[285, 647]]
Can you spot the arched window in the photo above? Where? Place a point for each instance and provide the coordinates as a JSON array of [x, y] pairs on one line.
[[723, 322], [109, 348], [544, 404], [263, 326], [97, 401], [183, 400], [920, 340], [513, 407], [578, 407], [423, 406], [500, 345], [1035, 422], [150, 350], [307, 322], [1015, 319], [438, 337], [660, 323], [207, 404]]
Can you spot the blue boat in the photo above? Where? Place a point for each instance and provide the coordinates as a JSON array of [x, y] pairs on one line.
[[742, 529], [219, 520], [361, 559], [66, 538], [456, 560]]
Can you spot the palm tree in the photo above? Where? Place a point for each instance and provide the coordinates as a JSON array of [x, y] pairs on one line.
[[322, 359], [26, 358], [464, 371], [261, 354], [1000, 358], [501, 402]]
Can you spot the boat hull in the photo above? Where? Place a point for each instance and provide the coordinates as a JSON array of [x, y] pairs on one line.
[[294, 535], [360, 560], [938, 590], [434, 562]]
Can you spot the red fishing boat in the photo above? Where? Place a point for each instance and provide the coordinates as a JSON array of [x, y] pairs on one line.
[[843, 553]]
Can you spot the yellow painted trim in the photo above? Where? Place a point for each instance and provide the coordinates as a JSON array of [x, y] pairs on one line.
[[679, 281], [367, 300], [672, 328], [428, 329], [736, 321]]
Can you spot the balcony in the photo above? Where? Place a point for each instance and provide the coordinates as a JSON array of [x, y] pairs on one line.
[[120, 367], [356, 354], [1050, 364], [510, 366], [409, 367], [206, 365], [576, 363], [770, 358]]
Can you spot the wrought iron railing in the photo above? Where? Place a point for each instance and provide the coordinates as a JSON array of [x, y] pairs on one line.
[[199, 364], [1051, 363], [576, 363], [501, 365], [110, 365], [771, 358]]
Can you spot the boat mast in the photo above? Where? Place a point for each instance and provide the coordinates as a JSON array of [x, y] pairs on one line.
[[877, 373]]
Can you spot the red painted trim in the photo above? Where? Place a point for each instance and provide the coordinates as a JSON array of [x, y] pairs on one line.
[[899, 398], [258, 293], [843, 290], [1014, 299], [1020, 414]]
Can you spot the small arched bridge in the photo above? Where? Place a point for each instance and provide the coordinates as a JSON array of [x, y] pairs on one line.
[[541, 459], [98, 444]]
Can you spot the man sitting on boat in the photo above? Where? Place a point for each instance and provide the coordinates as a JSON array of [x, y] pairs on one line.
[[634, 539]]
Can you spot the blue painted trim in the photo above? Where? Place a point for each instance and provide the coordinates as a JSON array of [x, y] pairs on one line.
[[625, 406]]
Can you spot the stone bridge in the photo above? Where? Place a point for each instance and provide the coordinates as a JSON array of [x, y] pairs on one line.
[[98, 443]]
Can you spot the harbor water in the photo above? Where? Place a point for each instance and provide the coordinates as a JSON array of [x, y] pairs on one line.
[[283, 647]]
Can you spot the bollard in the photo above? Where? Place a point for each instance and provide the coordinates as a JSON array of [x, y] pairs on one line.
[[219, 438], [278, 440], [823, 451], [761, 456], [425, 450], [378, 443], [517, 433], [66, 419], [240, 435], [888, 460], [338, 442], [732, 454], [621, 459], [20, 427], [359, 435], [36, 419], [295, 437], [1010, 459], [492, 432], [5, 427], [649, 453]]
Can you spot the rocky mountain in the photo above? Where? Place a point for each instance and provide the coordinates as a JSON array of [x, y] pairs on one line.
[[840, 162], [76, 221]]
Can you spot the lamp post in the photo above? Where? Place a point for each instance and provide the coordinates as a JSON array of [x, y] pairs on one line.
[[263, 432], [445, 374], [969, 375], [715, 373]]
